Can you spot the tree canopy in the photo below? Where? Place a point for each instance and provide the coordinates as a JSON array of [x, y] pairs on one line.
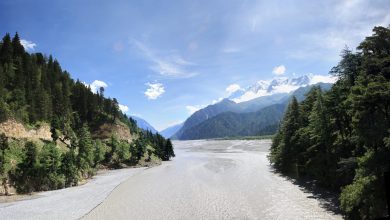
[[340, 138], [34, 89]]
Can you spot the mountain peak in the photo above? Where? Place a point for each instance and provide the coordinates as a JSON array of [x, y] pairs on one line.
[[277, 85]]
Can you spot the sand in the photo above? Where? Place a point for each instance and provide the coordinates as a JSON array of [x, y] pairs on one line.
[[212, 180], [69, 203]]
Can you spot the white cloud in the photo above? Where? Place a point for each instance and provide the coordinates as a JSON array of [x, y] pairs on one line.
[[232, 88], [314, 79], [279, 70], [123, 108], [179, 60], [173, 66], [349, 23], [155, 90], [95, 85], [28, 45]]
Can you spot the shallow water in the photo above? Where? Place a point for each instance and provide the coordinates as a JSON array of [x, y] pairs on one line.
[[212, 180]]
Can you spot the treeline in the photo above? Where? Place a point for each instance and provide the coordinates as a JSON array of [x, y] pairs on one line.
[[35, 90], [341, 138], [39, 167]]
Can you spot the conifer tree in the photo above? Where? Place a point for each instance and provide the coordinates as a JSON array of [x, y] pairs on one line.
[[6, 50], [86, 151], [27, 178], [18, 49], [4, 166]]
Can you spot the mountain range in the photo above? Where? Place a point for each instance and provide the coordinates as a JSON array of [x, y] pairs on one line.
[[255, 110], [144, 124], [171, 130]]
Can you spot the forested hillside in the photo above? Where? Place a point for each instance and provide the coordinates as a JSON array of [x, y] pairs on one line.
[[260, 116], [231, 124], [35, 91], [341, 138]]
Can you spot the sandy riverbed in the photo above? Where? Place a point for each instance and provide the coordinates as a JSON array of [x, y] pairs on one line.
[[69, 203], [212, 180], [207, 180]]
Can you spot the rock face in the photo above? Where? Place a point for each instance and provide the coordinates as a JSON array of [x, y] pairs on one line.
[[106, 130], [15, 129]]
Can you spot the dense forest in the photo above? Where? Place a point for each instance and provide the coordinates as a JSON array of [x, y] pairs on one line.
[[341, 138], [34, 90]]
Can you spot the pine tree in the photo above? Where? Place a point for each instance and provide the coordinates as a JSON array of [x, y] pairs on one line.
[[50, 168], [18, 49], [168, 150], [27, 179], [86, 151], [69, 168], [321, 165], [4, 163], [283, 155], [6, 51]]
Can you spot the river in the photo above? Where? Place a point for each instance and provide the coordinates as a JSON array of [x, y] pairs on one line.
[[228, 179]]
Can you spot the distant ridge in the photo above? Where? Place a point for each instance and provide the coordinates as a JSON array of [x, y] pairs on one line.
[[142, 123], [168, 132], [259, 116]]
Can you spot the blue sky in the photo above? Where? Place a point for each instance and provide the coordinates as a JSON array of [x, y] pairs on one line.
[[165, 59]]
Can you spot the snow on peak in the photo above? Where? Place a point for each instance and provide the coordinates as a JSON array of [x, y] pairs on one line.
[[277, 85]]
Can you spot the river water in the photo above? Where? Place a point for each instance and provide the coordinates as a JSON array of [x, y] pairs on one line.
[[212, 180]]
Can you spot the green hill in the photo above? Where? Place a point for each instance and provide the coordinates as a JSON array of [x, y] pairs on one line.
[[228, 124], [86, 129]]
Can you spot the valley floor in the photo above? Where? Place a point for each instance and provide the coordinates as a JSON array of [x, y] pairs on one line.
[[226, 179], [68, 203]]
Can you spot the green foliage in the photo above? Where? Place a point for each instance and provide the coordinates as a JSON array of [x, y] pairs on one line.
[[99, 152], [49, 171], [4, 162], [282, 154], [120, 151], [26, 176], [35, 89], [70, 169], [86, 154], [341, 137], [228, 124]]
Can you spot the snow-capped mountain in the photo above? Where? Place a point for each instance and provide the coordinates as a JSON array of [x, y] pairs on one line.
[[276, 86]]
